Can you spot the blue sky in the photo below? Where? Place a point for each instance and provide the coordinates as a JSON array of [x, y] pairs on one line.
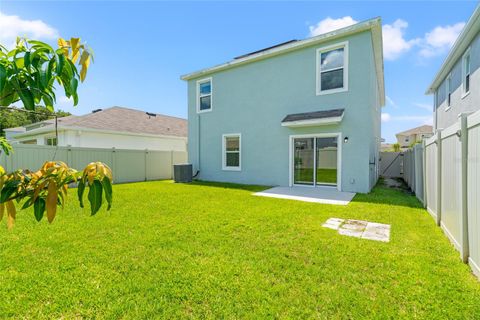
[[142, 48]]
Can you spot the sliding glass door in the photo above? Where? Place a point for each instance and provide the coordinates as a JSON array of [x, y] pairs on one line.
[[326, 161], [315, 161]]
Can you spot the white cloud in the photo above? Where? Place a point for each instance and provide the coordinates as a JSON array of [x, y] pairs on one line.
[[391, 102], [424, 106], [440, 39], [12, 26], [394, 43], [329, 24], [386, 117]]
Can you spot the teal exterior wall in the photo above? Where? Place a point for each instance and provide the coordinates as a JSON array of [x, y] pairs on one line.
[[252, 100]]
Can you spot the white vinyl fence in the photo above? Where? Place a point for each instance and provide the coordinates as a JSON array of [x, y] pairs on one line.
[[126, 165], [444, 173]]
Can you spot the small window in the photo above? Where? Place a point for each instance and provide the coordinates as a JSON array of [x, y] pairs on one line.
[[332, 69], [466, 72], [231, 151], [51, 141], [204, 95], [449, 91]]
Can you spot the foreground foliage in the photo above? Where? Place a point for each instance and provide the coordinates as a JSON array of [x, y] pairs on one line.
[[48, 187], [215, 251]]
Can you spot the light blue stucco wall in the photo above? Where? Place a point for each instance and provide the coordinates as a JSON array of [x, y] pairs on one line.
[[444, 116], [252, 100]]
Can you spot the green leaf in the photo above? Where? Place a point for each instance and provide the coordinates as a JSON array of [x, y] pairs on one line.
[[26, 59], [60, 59], [80, 191], [95, 196], [107, 186], [39, 208], [27, 98], [73, 85], [3, 77], [48, 101], [41, 44], [8, 190]]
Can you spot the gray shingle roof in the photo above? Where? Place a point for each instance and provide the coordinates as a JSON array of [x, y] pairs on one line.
[[314, 115], [127, 120]]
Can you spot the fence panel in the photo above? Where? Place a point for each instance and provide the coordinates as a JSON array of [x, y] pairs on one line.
[[418, 165], [473, 188], [451, 184], [391, 164], [127, 165], [159, 165], [431, 167]]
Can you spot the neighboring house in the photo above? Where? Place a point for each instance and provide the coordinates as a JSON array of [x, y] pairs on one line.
[[407, 138], [115, 127], [300, 113], [386, 147], [456, 87]]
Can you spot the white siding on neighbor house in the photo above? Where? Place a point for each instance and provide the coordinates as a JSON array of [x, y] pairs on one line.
[[94, 139]]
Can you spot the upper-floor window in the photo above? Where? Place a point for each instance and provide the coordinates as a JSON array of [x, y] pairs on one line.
[[466, 72], [204, 95], [332, 69], [448, 86]]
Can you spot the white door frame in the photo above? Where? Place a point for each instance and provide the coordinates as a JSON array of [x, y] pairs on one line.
[[337, 135]]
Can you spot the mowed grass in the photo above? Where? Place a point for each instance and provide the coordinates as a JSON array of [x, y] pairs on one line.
[[215, 251]]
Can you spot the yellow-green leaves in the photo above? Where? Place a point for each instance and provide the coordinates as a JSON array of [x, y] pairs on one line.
[[33, 70], [98, 177], [47, 188]]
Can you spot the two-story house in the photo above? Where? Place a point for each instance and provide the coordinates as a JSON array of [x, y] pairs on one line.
[[456, 87], [415, 135], [300, 113]]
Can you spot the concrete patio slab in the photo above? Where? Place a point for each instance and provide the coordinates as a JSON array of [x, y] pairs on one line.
[[326, 195]]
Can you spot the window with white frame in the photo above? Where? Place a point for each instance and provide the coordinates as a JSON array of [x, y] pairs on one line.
[[332, 69], [231, 151], [448, 87], [204, 95], [466, 72]]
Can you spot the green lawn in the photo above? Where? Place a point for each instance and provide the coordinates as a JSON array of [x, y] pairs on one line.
[[323, 175], [206, 251]]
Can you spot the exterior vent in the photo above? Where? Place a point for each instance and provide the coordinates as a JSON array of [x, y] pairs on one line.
[[150, 114], [96, 110]]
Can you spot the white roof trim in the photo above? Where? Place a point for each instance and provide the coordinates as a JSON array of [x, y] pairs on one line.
[[313, 122], [461, 44], [373, 24]]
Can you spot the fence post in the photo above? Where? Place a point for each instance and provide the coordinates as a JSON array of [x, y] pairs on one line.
[[464, 178], [439, 177], [114, 164], [146, 155], [424, 171]]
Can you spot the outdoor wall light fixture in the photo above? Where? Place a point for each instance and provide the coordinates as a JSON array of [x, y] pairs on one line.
[[345, 140]]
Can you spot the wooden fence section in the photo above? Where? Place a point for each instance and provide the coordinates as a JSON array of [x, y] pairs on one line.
[[444, 173], [127, 165]]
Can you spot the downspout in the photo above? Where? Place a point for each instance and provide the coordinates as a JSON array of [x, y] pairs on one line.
[[198, 146]]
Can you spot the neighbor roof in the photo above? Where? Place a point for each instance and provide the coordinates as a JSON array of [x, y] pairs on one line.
[[374, 25], [417, 130], [461, 44], [119, 119]]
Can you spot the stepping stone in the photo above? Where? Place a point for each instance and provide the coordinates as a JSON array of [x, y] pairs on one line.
[[333, 223], [360, 229], [350, 232]]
